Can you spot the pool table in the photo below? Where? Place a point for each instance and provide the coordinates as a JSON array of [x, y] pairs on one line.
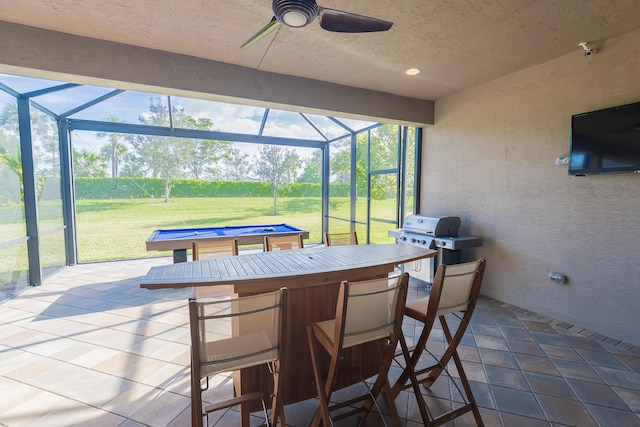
[[179, 240]]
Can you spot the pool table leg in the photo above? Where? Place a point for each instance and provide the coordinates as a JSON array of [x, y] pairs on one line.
[[179, 255]]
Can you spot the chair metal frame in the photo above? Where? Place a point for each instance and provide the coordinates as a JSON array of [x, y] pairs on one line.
[[244, 336], [282, 242], [335, 239], [442, 301], [378, 324]]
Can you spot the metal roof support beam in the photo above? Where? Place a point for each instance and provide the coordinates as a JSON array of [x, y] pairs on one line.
[[326, 172], [264, 120], [190, 133], [342, 125], [30, 192], [10, 91], [353, 183], [68, 199], [91, 103], [49, 90], [44, 110], [313, 125]]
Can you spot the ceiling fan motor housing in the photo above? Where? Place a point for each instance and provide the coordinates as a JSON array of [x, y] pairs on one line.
[[295, 13]]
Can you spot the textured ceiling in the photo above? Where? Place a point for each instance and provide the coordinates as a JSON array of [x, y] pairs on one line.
[[456, 43]]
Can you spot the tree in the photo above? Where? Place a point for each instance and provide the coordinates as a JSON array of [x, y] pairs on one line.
[[10, 161], [236, 165], [132, 165], [277, 166], [114, 150], [383, 154], [44, 135], [46, 147], [165, 157], [312, 171], [170, 157], [202, 153], [88, 164]]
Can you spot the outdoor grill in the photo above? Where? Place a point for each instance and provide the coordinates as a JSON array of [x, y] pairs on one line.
[[440, 233]]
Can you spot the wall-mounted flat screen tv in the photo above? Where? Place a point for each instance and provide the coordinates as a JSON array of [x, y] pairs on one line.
[[605, 141]]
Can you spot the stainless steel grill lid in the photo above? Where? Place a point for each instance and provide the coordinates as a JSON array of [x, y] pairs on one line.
[[446, 226]]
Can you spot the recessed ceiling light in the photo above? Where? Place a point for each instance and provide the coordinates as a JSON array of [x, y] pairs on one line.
[[412, 72]]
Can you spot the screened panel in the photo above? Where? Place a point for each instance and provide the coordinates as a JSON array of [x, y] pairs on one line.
[[340, 185], [384, 147], [228, 191], [14, 269], [287, 124], [130, 107], [65, 100], [46, 155], [12, 222], [26, 84], [355, 125], [339, 225], [52, 253], [223, 117], [410, 172], [383, 206], [328, 127]]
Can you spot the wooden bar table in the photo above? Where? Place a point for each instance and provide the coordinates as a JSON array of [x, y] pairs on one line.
[[313, 276]]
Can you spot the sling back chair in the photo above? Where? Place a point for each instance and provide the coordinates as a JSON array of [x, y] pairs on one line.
[[367, 312], [213, 249], [334, 239], [231, 334], [455, 292], [279, 243]]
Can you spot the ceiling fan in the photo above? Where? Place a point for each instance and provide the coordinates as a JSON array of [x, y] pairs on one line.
[[298, 13]]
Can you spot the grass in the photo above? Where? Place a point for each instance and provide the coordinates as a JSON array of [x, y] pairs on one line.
[[118, 228]]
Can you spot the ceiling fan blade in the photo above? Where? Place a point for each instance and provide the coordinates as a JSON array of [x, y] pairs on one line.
[[270, 27], [347, 22]]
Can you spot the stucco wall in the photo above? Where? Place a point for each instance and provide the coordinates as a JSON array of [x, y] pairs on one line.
[[490, 159]]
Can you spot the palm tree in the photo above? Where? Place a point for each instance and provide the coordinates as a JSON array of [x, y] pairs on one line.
[[114, 151]]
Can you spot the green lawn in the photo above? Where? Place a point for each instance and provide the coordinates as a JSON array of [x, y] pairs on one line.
[[118, 228]]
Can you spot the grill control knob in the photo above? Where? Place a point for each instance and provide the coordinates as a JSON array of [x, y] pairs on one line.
[[423, 242], [403, 238], [413, 240]]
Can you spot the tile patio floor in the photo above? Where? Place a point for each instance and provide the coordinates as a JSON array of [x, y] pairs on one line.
[[92, 348]]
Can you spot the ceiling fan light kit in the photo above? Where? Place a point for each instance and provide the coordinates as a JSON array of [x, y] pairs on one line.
[[294, 13], [299, 13]]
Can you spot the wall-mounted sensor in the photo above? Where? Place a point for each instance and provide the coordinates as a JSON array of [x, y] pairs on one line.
[[557, 277], [562, 160], [587, 50]]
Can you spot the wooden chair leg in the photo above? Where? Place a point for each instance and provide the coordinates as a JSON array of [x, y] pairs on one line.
[[322, 413], [277, 407], [467, 389], [410, 373]]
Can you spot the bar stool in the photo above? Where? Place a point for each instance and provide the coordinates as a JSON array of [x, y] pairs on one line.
[[454, 292], [231, 334], [279, 243], [201, 250], [335, 239], [367, 312]]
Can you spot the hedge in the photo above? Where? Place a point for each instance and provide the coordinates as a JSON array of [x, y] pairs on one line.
[[137, 188]]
